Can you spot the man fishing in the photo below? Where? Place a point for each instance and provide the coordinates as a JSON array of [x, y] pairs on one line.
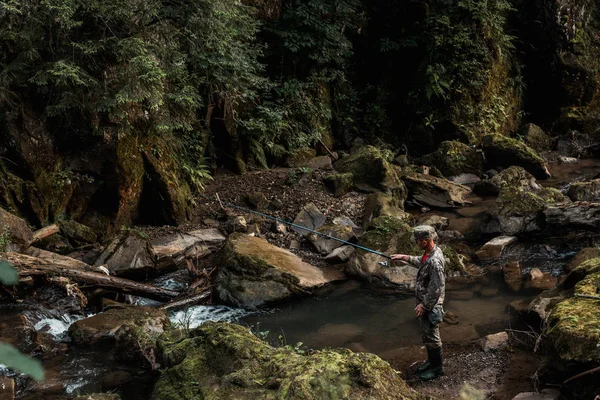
[[429, 291]]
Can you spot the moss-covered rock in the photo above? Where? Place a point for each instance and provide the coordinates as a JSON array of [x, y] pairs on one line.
[[369, 166], [300, 157], [388, 235], [535, 137], [585, 191], [339, 184], [223, 360], [77, 233], [435, 192], [381, 205], [253, 272], [515, 177], [453, 158], [582, 256], [133, 330], [518, 210], [504, 152]]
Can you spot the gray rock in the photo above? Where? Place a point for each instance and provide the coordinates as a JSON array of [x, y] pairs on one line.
[[448, 236], [345, 221], [309, 217], [568, 160], [571, 216], [130, 253], [340, 255], [435, 192], [495, 341], [436, 221], [465, 179], [172, 250], [324, 245], [503, 151], [18, 232]]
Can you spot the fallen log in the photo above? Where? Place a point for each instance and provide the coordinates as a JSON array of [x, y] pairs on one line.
[[33, 266], [51, 258], [45, 232]]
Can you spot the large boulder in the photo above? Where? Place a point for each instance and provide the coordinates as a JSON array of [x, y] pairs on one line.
[[324, 245], [518, 211], [384, 205], [172, 250], [435, 192], [130, 254], [585, 191], [454, 158], [514, 176], [253, 272], [573, 326], [368, 166], [535, 137], [504, 152], [387, 235], [15, 234], [117, 323], [579, 215], [221, 360]]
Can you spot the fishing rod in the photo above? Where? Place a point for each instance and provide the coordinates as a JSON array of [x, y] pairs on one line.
[[306, 229]]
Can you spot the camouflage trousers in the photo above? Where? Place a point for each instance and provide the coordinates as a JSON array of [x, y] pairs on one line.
[[430, 332]]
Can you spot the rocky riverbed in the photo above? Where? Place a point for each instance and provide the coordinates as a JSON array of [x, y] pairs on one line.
[[129, 316]]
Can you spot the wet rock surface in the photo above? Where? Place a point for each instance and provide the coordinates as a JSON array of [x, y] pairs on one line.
[[253, 272]]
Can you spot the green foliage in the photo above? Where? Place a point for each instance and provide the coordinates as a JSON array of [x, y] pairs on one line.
[[14, 359], [8, 275], [10, 356]]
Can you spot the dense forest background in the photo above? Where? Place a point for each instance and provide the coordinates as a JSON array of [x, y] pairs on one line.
[[115, 112]]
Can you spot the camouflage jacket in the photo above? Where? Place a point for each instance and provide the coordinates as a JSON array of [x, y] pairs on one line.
[[431, 279]]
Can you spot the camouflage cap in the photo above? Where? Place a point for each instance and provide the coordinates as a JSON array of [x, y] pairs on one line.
[[424, 232]]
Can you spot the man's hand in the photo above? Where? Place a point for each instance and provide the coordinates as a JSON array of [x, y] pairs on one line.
[[402, 257], [419, 310]]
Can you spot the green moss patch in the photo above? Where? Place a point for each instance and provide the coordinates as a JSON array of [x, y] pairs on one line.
[[227, 361]]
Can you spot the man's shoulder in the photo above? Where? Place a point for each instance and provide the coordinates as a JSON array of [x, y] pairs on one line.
[[438, 256]]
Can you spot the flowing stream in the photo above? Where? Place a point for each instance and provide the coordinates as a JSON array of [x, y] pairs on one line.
[[349, 314]]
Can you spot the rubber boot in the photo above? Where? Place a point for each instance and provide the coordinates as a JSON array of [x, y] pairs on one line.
[[427, 364], [436, 358]]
